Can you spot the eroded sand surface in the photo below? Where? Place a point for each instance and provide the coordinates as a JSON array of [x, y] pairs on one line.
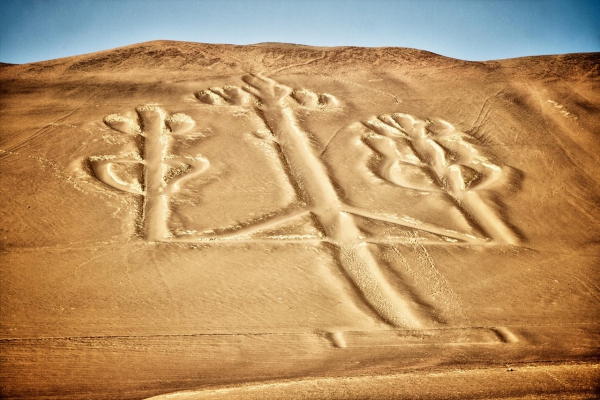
[[285, 220]]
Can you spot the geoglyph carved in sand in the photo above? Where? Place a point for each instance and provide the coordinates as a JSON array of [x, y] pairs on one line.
[[430, 156], [433, 156], [163, 173]]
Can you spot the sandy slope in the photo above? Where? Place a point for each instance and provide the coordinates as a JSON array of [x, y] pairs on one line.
[[180, 216]]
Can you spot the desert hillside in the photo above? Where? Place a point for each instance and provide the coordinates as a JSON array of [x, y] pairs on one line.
[[287, 221]]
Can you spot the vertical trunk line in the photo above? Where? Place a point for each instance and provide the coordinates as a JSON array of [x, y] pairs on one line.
[[355, 258], [155, 148]]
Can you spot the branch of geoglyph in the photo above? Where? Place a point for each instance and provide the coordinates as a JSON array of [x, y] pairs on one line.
[[155, 127], [101, 167], [264, 95], [197, 166], [449, 174], [227, 95], [267, 90]]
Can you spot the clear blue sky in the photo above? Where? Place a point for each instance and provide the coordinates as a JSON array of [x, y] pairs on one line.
[[35, 30]]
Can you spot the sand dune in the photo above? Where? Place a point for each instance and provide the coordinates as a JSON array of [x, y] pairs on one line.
[[184, 216]]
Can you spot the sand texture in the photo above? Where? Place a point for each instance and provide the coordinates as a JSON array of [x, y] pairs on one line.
[[195, 221]]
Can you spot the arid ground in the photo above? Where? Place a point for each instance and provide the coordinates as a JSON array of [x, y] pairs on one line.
[[195, 221]]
